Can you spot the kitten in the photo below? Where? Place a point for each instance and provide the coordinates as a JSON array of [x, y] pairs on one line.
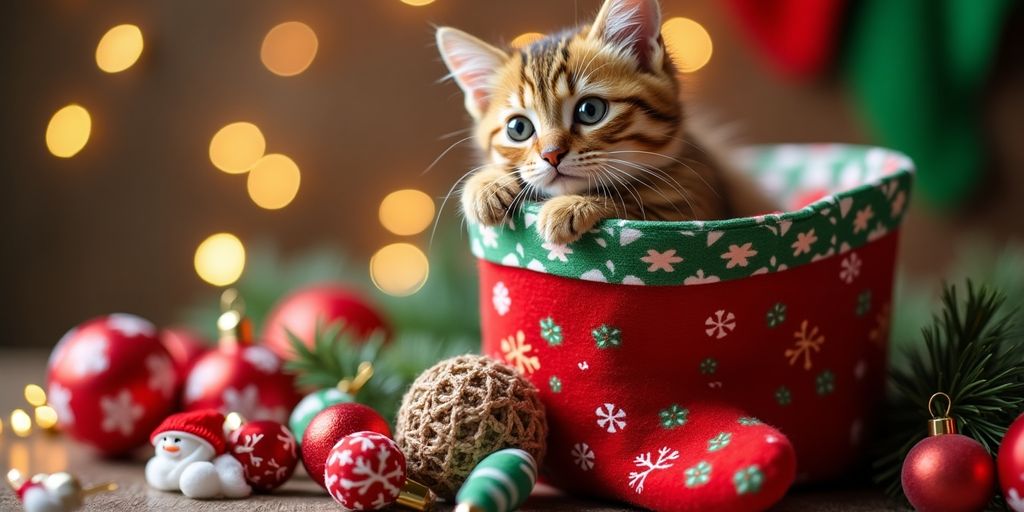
[[590, 122]]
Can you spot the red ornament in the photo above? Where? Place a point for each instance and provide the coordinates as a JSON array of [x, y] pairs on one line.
[[332, 424], [111, 381], [241, 377], [946, 471], [268, 453], [1011, 465], [365, 471], [300, 311], [185, 346]]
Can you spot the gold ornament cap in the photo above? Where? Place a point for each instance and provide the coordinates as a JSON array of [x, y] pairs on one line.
[[416, 496], [941, 425], [234, 327]]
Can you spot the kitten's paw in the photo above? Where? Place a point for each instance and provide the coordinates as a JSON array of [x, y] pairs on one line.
[[564, 219], [488, 198]]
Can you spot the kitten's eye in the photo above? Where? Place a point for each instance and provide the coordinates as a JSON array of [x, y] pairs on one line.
[[591, 110], [519, 128]]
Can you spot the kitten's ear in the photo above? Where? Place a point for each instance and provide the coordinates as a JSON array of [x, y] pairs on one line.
[[473, 64], [631, 24]]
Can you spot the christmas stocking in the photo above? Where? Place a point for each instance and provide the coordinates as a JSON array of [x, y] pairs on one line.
[[703, 365]]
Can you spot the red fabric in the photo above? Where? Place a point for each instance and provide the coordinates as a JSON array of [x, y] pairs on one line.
[[665, 337], [798, 36], [206, 424]]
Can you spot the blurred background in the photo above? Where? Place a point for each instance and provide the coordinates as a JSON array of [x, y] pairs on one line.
[[154, 152]]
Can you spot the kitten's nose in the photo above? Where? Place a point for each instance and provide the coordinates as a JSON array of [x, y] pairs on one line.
[[553, 154]]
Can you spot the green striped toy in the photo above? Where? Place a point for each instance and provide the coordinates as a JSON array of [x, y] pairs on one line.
[[499, 483]]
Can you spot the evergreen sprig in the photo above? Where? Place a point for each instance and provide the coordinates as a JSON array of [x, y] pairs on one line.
[[972, 352]]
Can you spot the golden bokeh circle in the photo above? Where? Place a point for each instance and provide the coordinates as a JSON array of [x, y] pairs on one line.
[[289, 48], [237, 147], [273, 182], [406, 212], [399, 269], [688, 43], [220, 259], [68, 131], [119, 48]]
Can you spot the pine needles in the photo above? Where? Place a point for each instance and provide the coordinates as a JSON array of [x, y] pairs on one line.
[[973, 353]]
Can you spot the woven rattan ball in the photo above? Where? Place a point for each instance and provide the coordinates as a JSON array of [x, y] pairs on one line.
[[461, 410]]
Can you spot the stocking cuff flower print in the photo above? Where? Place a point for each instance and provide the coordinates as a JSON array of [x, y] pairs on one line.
[[673, 355]]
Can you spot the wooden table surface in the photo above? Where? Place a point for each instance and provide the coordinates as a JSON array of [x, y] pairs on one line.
[[46, 453]]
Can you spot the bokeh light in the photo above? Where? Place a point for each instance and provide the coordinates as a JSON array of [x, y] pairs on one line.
[[406, 212], [399, 269], [46, 417], [526, 38], [237, 147], [68, 131], [688, 43], [21, 423], [273, 182], [119, 48], [232, 422], [417, 3], [289, 48], [220, 259], [35, 395]]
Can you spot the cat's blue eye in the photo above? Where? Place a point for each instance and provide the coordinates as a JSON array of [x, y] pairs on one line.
[[519, 128], [591, 110]]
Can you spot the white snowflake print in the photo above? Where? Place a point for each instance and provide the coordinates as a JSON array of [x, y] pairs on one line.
[[644, 462], [248, 446], [262, 358], [558, 252], [201, 378], [131, 325], [499, 297], [862, 219], [661, 260], [700, 278], [489, 236], [720, 324], [162, 375], [89, 355], [583, 456], [287, 440], [1014, 499], [59, 397], [612, 419], [120, 413], [803, 243], [850, 268], [739, 255], [517, 353], [373, 474], [898, 203], [247, 404]]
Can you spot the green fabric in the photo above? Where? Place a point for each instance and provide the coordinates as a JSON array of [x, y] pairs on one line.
[[871, 188], [501, 482], [917, 69]]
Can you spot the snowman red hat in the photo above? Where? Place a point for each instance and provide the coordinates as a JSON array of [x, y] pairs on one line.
[[205, 425]]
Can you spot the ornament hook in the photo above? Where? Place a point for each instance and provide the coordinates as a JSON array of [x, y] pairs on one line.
[[940, 425], [363, 374]]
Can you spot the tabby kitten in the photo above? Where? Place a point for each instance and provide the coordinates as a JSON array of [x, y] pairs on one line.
[[590, 122]]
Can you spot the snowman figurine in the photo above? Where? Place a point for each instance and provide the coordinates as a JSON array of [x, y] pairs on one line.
[[59, 492], [190, 458]]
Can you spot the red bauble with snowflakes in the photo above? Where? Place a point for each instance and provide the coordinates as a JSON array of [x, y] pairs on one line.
[[185, 346], [267, 451], [111, 382], [303, 309], [332, 424], [1011, 465], [239, 376], [365, 471]]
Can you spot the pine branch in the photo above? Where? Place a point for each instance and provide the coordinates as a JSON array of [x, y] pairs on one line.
[[972, 353]]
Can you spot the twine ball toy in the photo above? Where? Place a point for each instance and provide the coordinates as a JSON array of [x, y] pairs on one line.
[[462, 410]]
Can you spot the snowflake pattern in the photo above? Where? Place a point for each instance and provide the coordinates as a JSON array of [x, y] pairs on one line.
[[500, 299], [372, 470], [708, 366], [248, 447], [863, 303], [776, 315], [698, 474], [555, 384], [825, 383], [673, 416], [517, 353], [558, 252], [607, 336], [739, 255], [803, 243], [550, 331], [806, 342], [120, 413], [850, 268], [862, 219], [162, 375], [661, 260], [646, 466], [246, 402], [200, 379], [131, 326], [783, 396], [1014, 500], [583, 456], [88, 355], [719, 441], [262, 359], [720, 324], [489, 236], [611, 418], [748, 421], [748, 480], [59, 397]]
